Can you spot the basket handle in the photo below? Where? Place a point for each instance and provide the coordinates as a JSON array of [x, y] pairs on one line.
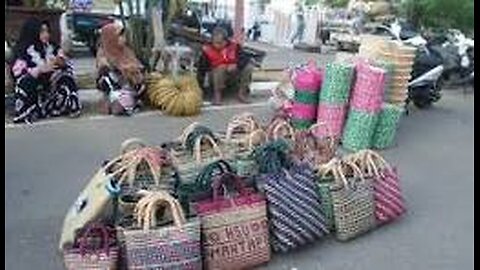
[[247, 125], [132, 144], [252, 136], [148, 205], [186, 131], [205, 176], [280, 125], [88, 232], [223, 180], [198, 147]]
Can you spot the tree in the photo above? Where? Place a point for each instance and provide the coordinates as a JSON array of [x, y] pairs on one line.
[[444, 14]]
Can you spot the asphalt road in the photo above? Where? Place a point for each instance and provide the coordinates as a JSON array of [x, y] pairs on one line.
[[47, 164]]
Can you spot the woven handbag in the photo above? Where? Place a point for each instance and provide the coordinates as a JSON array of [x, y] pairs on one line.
[[234, 228], [151, 245], [280, 128], [242, 160], [190, 192], [197, 147], [313, 150], [326, 181], [389, 201], [150, 169], [294, 208], [352, 200], [93, 251], [95, 201]]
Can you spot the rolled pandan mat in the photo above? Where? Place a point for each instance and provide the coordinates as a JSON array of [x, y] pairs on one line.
[[301, 124], [387, 125], [304, 111], [368, 89], [333, 117], [359, 129], [307, 78], [337, 82]]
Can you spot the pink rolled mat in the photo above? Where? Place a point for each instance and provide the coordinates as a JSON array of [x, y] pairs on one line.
[[369, 88], [304, 111], [333, 116], [308, 78]]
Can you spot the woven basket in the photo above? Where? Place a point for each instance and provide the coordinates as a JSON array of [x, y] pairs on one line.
[[312, 150], [149, 245], [369, 88], [337, 83], [359, 130], [193, 150], [190, 192], [294, 208], [150, 169], [384, 135], [280, 128], [353, 204], [95, 202], [93, 251], [223, 217], [389, 201]]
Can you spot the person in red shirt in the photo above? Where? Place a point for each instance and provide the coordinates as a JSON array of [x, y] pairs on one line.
[[224, 61]]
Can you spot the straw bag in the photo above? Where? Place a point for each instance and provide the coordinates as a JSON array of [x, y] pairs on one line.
[[294, 209], [177, 96], [150, 169], [190, 192], [95, 201], [312, 150], [280, 128], [196, 147], [102, 254], [153, 246], [234, 228], [352, 200], [325, 182], [389, 201]]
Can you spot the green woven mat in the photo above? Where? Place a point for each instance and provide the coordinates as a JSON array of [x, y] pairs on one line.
[[384, 135], [306, 97], [337, 83], [301, 124], [359, 129]]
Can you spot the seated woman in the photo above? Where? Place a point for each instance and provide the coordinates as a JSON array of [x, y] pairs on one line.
[[120, 74], [44, 82], [224, 61]]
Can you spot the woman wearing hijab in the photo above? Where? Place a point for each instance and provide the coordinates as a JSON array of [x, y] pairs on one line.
[[120, 73], [44, 82]]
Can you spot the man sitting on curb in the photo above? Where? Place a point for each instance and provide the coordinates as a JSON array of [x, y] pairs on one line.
[[225, 62]]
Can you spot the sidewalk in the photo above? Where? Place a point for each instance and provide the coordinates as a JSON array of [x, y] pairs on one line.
[[276, 60]]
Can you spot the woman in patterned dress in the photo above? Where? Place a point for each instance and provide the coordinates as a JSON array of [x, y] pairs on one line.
[[44, 82], [120, 74]]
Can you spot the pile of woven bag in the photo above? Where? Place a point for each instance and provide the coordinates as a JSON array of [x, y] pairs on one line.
[[357, 101], [226, 200]]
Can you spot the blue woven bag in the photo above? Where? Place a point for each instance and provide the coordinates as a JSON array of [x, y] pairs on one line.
[[294, 209]]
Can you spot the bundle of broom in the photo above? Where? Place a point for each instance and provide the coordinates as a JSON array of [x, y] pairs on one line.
[[177, 96]]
